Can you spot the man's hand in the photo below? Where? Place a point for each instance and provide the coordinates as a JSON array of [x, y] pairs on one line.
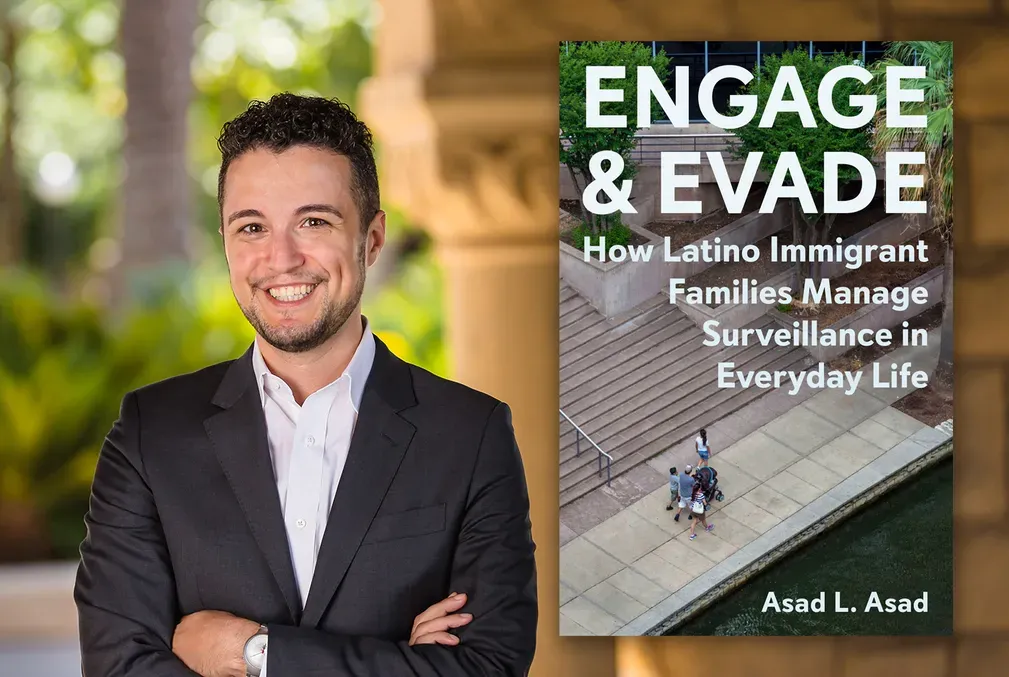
[[211, 643], [431, 625]]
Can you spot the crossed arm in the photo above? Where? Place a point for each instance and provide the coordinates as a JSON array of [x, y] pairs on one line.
[[210, 642], [128, 614]]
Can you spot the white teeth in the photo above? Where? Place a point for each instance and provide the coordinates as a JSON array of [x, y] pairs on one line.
[[294, 292]]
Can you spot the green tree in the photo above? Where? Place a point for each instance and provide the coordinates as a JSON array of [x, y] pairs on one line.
[[578, 143], [808, 143], [935, 140]]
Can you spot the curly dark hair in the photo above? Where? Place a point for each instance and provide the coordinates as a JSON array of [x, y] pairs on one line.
[[288, 120]]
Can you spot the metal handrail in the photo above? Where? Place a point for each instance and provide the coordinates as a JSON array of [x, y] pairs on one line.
[[579, 433], [649, 147], [706, 135]]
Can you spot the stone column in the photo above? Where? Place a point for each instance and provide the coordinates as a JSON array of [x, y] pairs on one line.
[[470, 151]]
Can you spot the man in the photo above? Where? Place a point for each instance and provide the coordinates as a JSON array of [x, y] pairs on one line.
[[686, 491], [314, 506], [674, 490]]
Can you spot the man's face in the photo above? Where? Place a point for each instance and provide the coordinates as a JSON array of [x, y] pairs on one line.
[[294, 243]]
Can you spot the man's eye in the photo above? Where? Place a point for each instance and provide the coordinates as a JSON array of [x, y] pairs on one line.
[[315, 222], [251, 228]]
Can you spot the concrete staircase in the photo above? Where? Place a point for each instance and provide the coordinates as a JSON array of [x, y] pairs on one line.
[[641, 383]]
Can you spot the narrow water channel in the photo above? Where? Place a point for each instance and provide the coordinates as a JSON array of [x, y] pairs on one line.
[[900, 546]]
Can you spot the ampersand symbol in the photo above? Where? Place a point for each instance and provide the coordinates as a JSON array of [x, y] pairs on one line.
[[605, 181]]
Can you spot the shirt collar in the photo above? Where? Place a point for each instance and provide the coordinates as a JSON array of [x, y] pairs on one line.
[[358, 369]]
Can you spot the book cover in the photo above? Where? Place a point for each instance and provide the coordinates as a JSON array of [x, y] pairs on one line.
[[756, 338]]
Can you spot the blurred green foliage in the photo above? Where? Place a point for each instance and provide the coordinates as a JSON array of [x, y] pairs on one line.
[[64, 363]]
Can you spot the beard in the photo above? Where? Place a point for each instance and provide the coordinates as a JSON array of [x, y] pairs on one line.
[[334, 314]]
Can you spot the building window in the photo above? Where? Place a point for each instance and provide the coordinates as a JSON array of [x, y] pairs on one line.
[[732, 47], [779, 48], [691, 55], [730, 54], [874, 51], [852, 49], [681, 47]]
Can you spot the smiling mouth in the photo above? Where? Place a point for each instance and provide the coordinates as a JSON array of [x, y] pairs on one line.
[[291, 293]]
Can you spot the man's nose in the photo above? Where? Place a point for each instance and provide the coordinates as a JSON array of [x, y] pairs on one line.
[[285, 252]]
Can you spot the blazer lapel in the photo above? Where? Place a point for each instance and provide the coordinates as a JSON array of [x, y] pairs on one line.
[[239, 436], [380, 441]]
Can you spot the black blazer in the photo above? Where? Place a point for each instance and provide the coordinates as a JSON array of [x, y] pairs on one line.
[[185, 516]]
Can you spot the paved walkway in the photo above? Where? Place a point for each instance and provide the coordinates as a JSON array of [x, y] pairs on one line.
[[626, 573]]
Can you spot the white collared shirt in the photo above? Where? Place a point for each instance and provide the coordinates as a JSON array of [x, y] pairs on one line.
[[309, 446]]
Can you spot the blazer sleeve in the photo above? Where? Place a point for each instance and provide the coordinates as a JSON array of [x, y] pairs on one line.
[[493, 563], [125, 589]]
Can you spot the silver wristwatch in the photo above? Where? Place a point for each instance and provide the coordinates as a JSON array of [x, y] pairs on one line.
[[255, 652]]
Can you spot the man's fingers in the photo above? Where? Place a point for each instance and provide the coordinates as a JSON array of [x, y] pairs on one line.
[[442, 608], [436, 638], [442, 624]]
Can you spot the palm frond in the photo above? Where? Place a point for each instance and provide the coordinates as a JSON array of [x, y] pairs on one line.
[[935, 140]]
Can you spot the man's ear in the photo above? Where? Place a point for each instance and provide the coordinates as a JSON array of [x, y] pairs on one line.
[[375, 238], [224, 245]]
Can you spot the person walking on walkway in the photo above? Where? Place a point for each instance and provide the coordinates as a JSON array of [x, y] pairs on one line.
[[701, 444], [674, 489], [697, 505], [686, 491]]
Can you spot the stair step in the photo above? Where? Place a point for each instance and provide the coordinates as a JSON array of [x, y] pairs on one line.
[[601, 354], [645, 313], [579, 333], [624, 405], [629, 425], [640, 346], [664, 434], [584, 329], [629, 366], [642, 382], [576, 311]]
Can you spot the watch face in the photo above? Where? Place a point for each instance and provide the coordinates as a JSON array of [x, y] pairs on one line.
[[254, 650]]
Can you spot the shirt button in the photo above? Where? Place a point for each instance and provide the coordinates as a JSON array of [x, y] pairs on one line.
[[301, 524], [309, 440]]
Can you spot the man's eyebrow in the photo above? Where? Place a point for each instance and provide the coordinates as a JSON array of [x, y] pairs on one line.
[[329, 209], [304, 209], [241, 214]]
